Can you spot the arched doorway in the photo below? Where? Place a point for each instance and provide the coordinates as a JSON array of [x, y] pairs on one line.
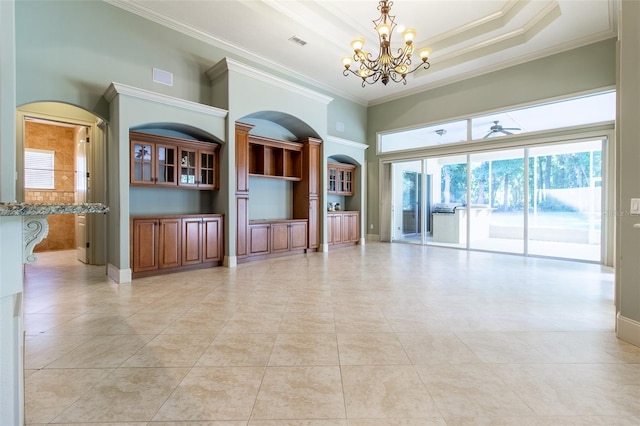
[[61, 159]]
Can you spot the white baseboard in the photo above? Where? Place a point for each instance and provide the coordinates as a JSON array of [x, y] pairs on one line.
[[324, 247], [373, 237], [628, 330], [362, 241], [120, 276], [230, 261]]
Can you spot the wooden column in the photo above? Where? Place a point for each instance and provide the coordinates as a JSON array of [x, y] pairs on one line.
[[306, 193], [242, 187]]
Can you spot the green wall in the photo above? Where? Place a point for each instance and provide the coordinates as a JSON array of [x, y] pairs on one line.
[[70, 51]]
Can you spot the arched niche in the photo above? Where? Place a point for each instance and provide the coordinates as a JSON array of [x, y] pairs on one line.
[[150, 200], [177, 130], [279, 125]]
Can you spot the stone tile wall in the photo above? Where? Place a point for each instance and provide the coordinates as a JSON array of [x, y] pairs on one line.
[[62, 141]]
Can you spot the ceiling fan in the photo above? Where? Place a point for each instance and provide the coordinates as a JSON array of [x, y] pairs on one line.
[[497, 128]]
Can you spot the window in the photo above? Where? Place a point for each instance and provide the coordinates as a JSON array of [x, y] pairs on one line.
[[597, 108], [39, 169]]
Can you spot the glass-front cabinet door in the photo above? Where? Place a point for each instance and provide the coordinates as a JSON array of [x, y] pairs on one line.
[[142, 163], [167, 165], [332, 180], [208, 169], [348, 182], [187, 167]]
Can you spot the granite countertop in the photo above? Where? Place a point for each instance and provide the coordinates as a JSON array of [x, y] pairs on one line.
[[43, 209]]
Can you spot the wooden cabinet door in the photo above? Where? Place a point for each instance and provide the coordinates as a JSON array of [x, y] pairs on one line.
[[191, 241], [331, 218], [280, 237], [212, 238], [207, 169], [142, 163], [332, 175], [242, 156], [314, 168], [145, 245], [298, 233], [348, 182], [169, 245], [314, 223], [337, 229], [354, 227], [166, 166], [259, 238], [187, 175], [242, 237], [346, 235]]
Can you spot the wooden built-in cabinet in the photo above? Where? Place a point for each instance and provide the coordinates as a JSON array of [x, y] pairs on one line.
[[340, 178], [169, 243], [173, 162], [343, 227], [277, 237], [275, 158], [298, 162]]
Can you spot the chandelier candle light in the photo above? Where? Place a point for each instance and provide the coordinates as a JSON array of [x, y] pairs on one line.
[[386, 66]]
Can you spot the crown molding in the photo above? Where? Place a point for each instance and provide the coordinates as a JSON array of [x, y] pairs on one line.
[[346, 142], [228, 64], [115, 89], [146, 13]]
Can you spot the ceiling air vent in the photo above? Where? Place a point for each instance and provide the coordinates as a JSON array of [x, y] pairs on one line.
[[298, 41]]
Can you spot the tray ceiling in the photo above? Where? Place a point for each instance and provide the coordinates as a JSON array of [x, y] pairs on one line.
[[468, 37]]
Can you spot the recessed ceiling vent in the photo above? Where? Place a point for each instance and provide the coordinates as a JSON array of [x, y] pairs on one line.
[[297, 40]]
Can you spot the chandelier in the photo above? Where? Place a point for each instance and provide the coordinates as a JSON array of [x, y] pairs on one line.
[[386, 66]]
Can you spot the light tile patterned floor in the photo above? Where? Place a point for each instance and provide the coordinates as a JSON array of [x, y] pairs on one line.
[[384, 334]]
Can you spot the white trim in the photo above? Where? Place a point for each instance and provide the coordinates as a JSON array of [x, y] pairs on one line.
[[347, 142], [122, 89], [230, 47], [628, 330], [228, 64], [373, 237], [324, 248], [530, 139], [230, 261], [120, 276]]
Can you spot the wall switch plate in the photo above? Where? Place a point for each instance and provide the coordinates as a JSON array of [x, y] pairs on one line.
[[635, 206]]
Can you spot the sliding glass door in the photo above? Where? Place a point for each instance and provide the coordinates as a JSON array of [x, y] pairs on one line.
[[565, 200], [543, 200], [407, 202], [497, 201]]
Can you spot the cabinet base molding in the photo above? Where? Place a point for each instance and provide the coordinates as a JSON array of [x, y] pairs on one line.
[[175, 269], [274, 255]]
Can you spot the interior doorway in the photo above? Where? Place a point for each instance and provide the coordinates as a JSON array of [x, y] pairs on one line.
[[61, 159], [56, 171]]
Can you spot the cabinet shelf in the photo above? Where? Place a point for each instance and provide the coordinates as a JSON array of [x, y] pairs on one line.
[[274, 158]]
